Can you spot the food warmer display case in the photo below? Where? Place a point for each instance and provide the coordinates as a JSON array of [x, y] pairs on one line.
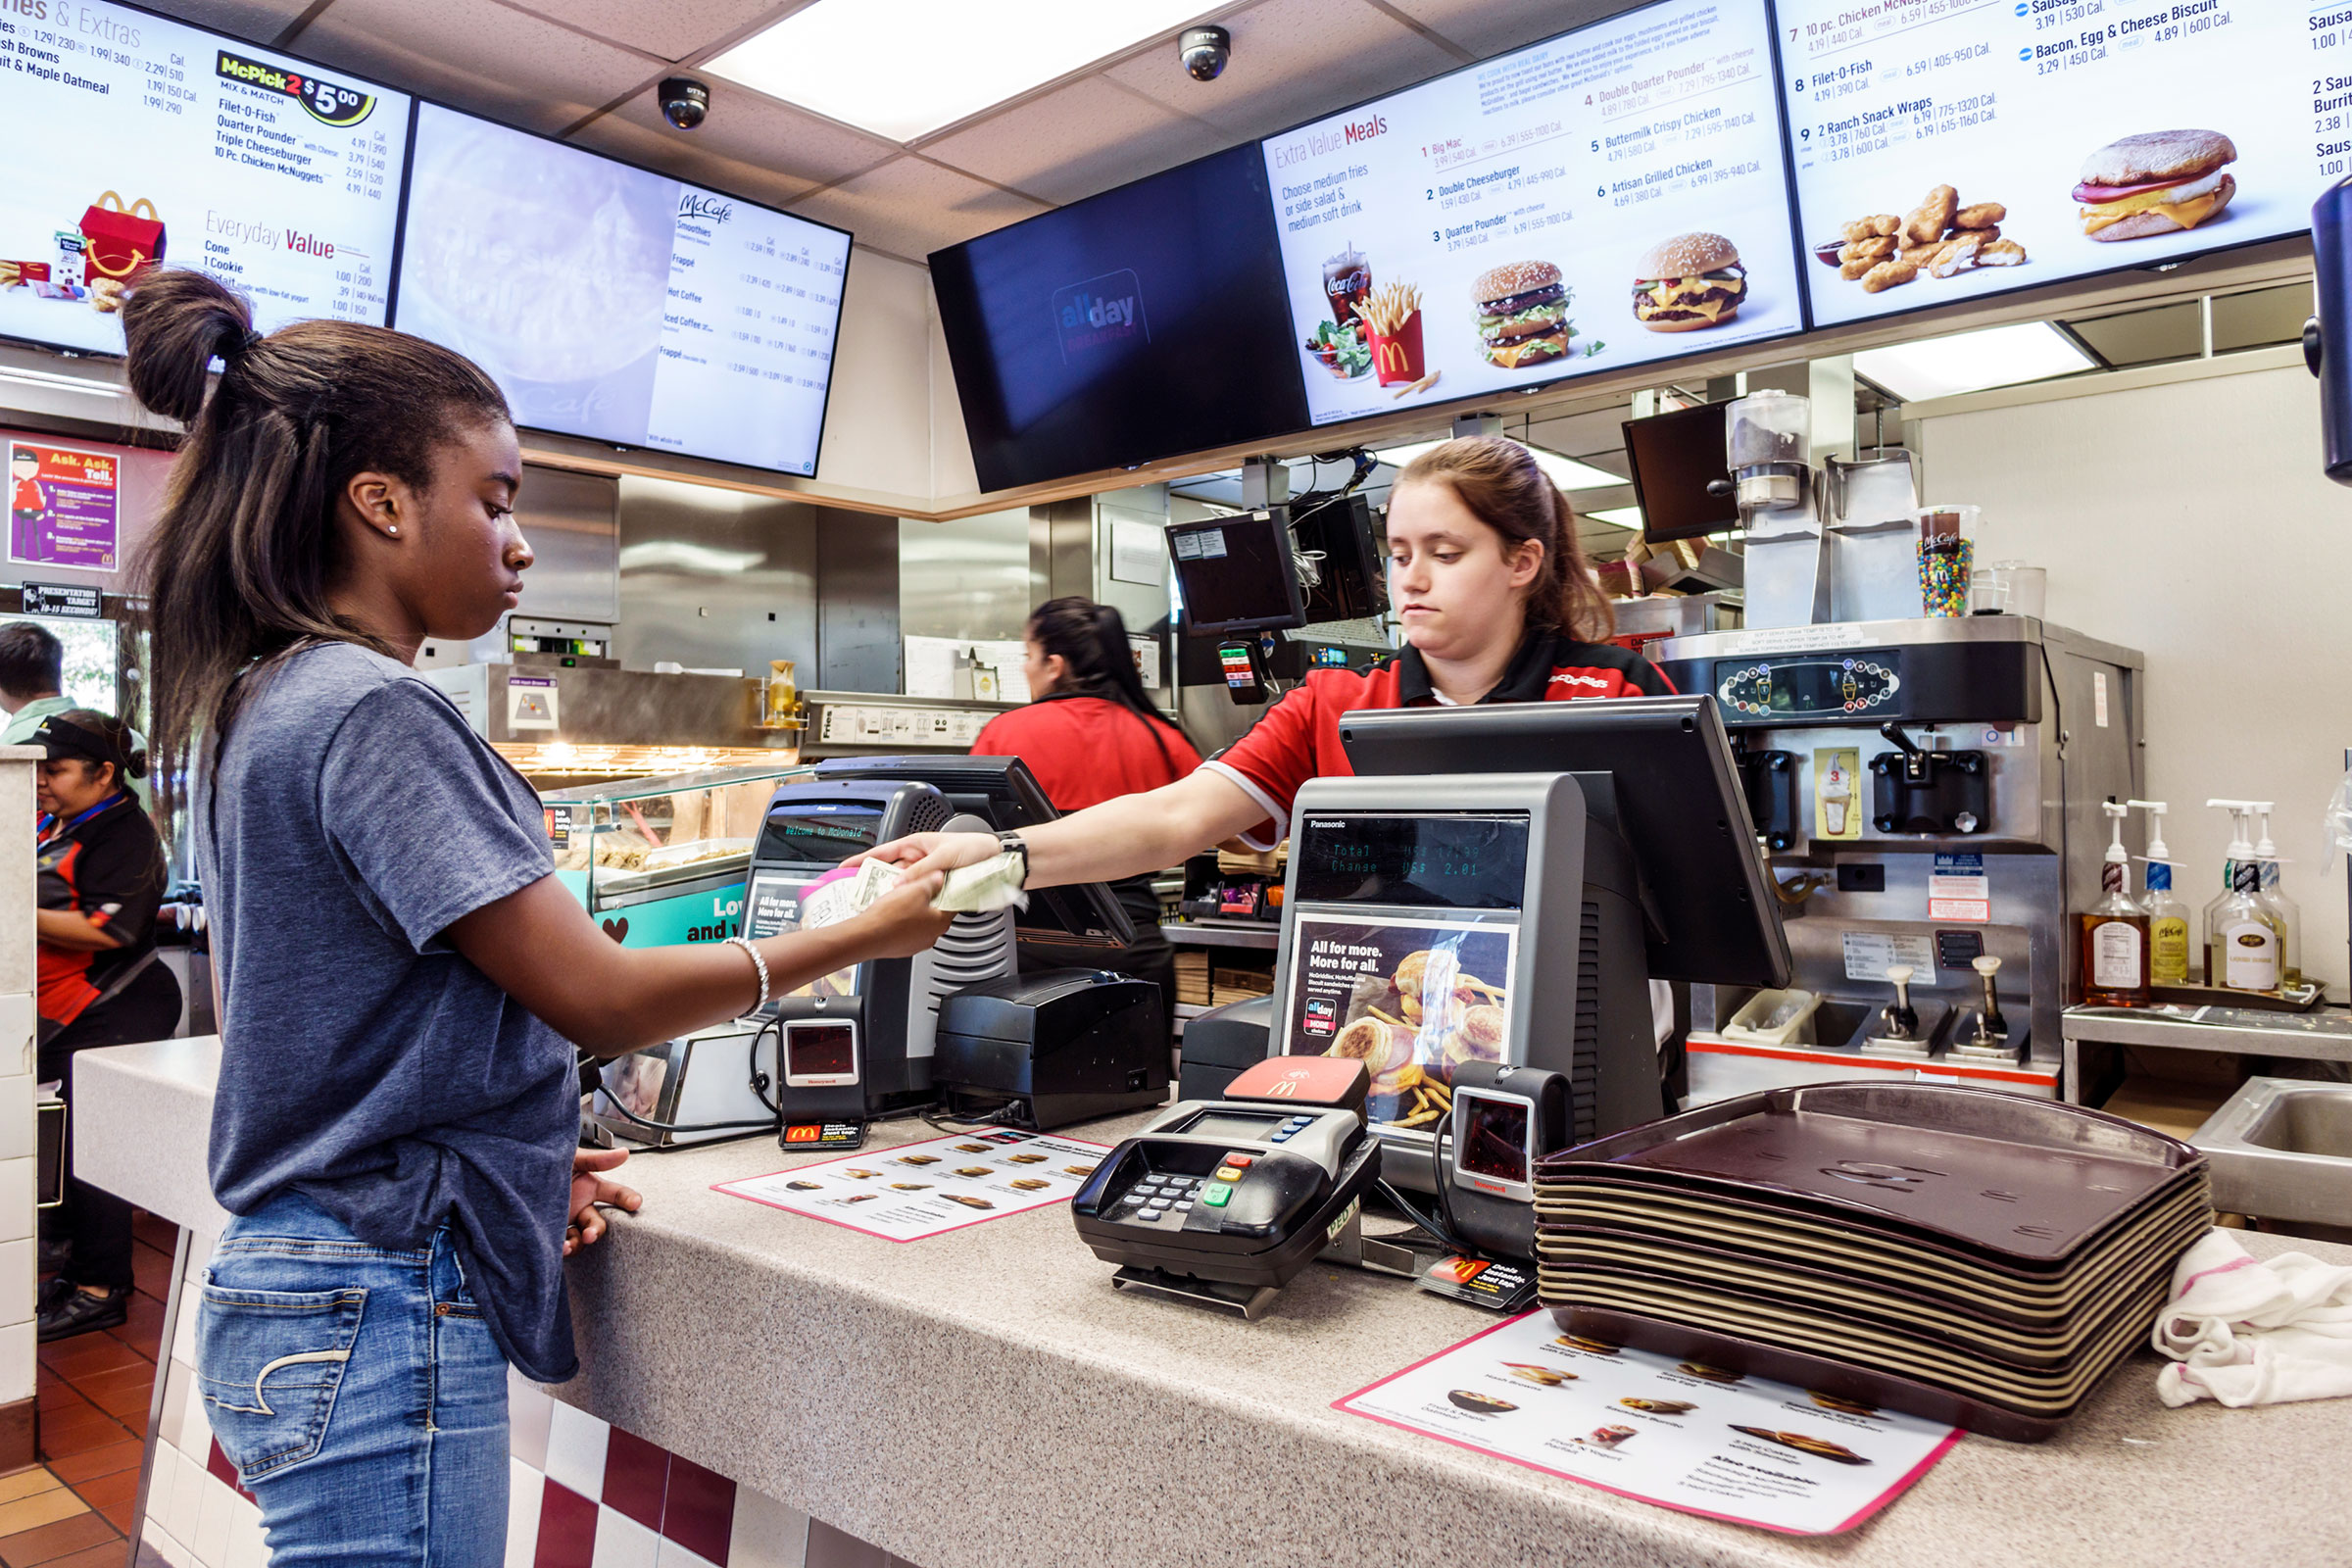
[[658, 861]]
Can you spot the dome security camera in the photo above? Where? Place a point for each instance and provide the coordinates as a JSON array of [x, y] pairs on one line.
[[685, 101], [1203, 52]]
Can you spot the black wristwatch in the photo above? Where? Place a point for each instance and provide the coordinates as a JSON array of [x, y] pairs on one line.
[[1013, 844]]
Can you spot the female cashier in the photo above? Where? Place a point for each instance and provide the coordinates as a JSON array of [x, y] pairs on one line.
[[1090, 735], [404, 981], [1497, 607]]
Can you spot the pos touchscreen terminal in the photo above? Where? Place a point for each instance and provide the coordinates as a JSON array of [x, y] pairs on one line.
[[1497, 886]]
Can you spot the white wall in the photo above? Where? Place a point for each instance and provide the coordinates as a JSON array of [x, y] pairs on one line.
[[2191, 521], [878, 416]]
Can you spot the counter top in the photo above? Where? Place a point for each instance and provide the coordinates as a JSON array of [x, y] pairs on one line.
[[985, 1399]]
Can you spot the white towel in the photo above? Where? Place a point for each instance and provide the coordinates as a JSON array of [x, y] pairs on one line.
[[2245, 1331]]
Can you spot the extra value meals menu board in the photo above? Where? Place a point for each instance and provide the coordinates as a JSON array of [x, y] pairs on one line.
[[1948, 149], [139, 140], [1613, 196]]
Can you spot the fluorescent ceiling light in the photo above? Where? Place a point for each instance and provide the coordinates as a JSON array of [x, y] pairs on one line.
[[902, 69], [1971, 361], [1616, 516], [1566, 472]]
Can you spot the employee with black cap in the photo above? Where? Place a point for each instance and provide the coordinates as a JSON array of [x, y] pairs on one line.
[[100, 882]]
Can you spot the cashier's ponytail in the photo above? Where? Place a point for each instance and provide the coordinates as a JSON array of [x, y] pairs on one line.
[[245, 551], [1500, 481]]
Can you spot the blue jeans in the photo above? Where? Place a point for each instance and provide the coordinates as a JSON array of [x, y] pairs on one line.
[[358, 1391]]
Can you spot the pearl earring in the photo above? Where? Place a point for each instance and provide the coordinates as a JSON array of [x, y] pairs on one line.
[[393, 528]]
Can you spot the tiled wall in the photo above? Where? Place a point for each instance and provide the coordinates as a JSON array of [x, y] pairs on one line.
[[584, 1494], [18, 1261]]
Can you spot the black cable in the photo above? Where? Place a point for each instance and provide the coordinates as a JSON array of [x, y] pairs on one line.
[[1437, 1138], [1398, 1200]]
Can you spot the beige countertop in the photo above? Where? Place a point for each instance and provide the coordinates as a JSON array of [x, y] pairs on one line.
[[985, 1399]]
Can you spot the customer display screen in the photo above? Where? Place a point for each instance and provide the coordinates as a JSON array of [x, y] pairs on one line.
[[136, 138], [618, 304], [1458, 860], [1233, 1127], [820, 833], [2090, 134], [1610, 196]]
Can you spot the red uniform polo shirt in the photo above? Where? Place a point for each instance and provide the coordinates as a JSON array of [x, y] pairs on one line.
[[1088, 750], [1297, 739]]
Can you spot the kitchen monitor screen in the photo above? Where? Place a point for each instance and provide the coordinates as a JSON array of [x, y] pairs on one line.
[[1674, 456], [1236, 574], [616, 304], [1458, 860], [1133, 325], [820, 833], [138, 139], [1233, 1127], [1943, 153], [1611, 196]]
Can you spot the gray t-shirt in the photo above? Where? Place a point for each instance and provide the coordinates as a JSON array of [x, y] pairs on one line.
[[364, 1063]]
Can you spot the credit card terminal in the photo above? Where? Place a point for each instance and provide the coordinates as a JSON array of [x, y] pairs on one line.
[[1242, 1190]]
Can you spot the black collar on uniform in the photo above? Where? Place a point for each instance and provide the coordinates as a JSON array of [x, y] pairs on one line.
[[1525, 680]]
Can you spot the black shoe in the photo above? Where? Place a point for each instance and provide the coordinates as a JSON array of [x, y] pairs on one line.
[[56, 1256], [53, 1294], [84, 1313]]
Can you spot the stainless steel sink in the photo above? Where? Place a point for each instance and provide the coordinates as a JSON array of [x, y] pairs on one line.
[[2282, 1149]]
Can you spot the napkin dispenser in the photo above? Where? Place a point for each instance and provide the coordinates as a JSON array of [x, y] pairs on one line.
[[1052, 1047]]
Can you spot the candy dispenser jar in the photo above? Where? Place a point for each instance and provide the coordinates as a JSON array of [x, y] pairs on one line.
[[1947, 551]]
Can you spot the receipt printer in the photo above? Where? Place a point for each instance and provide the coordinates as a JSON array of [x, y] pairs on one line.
[[1052, 1047], [1220, 1203]]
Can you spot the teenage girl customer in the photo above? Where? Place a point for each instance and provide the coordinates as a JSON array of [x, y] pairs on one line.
[[403, 979], [1090, 734]]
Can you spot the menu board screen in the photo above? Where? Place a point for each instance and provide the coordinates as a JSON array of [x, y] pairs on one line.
[[1613, 196], [1948, 149], [138, 139], [618, 304]]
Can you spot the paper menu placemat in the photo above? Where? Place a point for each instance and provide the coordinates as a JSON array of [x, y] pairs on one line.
[[930, 1188], [1731, 1447]]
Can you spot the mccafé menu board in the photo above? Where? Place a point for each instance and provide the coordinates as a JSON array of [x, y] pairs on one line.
[[618, 304], [1948, 149], [1611, 196], [136, 139]]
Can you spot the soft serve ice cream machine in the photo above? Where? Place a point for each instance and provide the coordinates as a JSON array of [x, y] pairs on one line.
[[1928, 791]]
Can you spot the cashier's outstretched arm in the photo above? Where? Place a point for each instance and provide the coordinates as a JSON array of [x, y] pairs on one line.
[[1123, 837], [541, 948]]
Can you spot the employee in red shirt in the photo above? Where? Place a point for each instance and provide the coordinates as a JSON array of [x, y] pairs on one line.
[[1498, 606], [1090, 735]]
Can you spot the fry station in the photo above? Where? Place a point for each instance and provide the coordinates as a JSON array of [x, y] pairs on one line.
[[1505, 782]]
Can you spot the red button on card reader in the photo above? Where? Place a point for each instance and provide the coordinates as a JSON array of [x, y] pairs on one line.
[[1239, 1161], [1338, 1081]]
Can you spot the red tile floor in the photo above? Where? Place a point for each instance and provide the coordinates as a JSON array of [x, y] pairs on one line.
[[75, 1508]]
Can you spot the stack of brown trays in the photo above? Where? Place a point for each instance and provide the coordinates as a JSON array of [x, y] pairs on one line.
[[1963, 1254]]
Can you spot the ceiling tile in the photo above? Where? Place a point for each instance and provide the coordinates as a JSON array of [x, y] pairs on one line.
[[747, 132], [486, 59], [1492, 26], [1293, 60], [1075, 141], [257, 20], [672, 29], [912, 208], [691, 159]]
